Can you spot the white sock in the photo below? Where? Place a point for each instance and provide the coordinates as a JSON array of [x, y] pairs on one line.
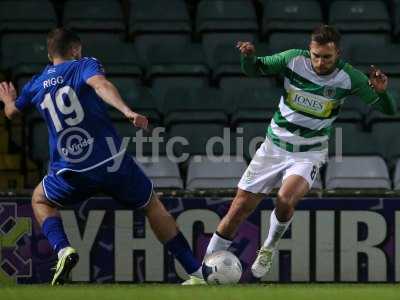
[[276, 231], [217, 243], [198, 273], [61, 252]]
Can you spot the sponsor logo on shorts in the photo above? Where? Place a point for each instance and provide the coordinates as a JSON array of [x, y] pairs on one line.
[[249, 176]]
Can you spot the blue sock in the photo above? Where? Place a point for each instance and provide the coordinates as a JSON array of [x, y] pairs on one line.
[[179, 247], [54, 231]]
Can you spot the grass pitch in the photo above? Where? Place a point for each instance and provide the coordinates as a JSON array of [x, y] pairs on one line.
[[177, 292]]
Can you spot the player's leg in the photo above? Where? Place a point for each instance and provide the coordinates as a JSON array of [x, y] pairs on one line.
[[293, 189], [165, 228], [257, 181], [49, 219], [295, 185], [241, 207], [130, 186]]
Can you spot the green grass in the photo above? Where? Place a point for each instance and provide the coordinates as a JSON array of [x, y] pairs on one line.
[[176, 292]]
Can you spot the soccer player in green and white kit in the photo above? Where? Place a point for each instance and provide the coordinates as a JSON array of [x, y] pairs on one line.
[[316, 83]]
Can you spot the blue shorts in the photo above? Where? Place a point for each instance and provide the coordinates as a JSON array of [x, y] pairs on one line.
[[128, 185]]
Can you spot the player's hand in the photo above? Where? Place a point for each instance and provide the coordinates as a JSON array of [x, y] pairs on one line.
[[138, 120], [377, 80], [246, 48], [7, 92]]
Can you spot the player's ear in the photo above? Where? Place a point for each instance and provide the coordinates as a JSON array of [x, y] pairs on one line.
[[77, 51], [338, 52], [49, 57]]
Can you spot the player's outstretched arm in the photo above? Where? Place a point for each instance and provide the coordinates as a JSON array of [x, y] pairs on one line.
[[109, 93], [8, 95], [253, 65], [379, 81], [373, 90], [248, 59]]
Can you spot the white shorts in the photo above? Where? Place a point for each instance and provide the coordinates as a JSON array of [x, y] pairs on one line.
[[272, 163]]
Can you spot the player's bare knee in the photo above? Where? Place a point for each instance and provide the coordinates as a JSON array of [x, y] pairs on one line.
[[285, 199], [38, 197]]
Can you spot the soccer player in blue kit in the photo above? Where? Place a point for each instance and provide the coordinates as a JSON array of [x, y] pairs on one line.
[[86, 156]]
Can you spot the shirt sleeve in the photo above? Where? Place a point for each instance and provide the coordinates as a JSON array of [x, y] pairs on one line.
[[24, 100], [264, 65], [360, 87], [91, 67]]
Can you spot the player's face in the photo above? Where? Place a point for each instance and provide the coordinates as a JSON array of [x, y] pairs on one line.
[[323, 57]]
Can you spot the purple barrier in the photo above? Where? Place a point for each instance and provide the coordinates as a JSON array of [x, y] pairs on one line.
[[330, 240]]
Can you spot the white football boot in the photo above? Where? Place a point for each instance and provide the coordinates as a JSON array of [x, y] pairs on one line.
[[193, 280], [263, 263]]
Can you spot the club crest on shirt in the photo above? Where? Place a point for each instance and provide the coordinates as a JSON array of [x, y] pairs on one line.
[[329, 92]]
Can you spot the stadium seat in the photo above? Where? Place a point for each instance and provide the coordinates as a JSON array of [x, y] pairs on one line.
[[27, 15], [226, 15], [359, 16], [279, 42], [397, 18], [353, 110], [349, 139], [357, 172], [253, 135], [226, 59], [163, 173], [141, 100], [126, 85], [11, 180], [204, 173], [376, 116], [167, 60], [158, 16], [202, 105], [145, 42], [352, 41], [259, 105], [10, 162], [120, 57], [394, 84], [24, 54], [290, 15], [195, 137], [11, 176], [231, 87], [160, 85], [38, 141], [385, 138], [211, 41], [4, 136], [396, 179], [97, 16], [139, 141], [387, 59]]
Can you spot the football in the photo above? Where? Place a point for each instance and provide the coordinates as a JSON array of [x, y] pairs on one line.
[[222, 267]]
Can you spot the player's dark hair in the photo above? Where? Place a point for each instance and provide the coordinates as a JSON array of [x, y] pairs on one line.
[[325, 34], [60, 41]]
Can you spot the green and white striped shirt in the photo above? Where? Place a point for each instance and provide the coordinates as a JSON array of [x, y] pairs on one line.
[[311, 102]]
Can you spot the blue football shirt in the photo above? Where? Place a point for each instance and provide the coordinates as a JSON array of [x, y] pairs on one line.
[[81, 135]]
